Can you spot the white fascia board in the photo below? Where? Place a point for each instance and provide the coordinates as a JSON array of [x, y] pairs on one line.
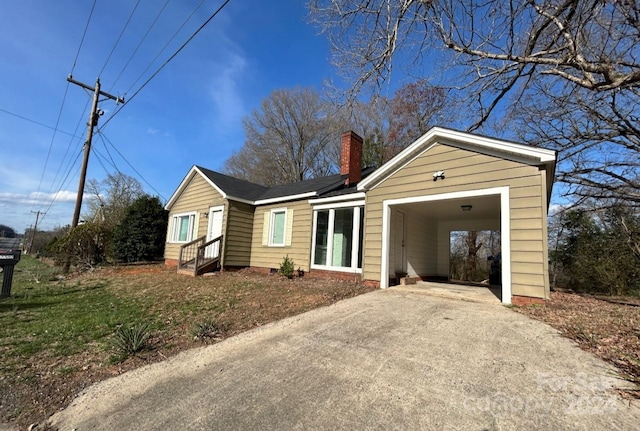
[[495, 147], [540, 154], [339, 198], [242, 200], [285, 198]]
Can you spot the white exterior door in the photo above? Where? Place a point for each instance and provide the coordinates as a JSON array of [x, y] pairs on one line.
[[214, 230]]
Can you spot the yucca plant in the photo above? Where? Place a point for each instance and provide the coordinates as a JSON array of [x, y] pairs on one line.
[[131, 339], [209, 330]]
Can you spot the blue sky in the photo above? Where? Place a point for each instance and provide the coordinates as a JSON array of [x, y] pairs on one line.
[[190, 113]]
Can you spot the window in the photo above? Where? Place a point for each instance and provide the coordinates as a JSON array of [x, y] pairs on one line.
[[182, 227], [337, 244], [276, 230]]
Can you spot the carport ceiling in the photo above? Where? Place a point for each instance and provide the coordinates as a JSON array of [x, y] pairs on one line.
[[482, 207]]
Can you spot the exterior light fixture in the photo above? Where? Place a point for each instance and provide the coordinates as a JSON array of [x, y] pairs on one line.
[[466, 208]]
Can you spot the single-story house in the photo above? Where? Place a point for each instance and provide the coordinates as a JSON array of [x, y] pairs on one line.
[[374, 224]]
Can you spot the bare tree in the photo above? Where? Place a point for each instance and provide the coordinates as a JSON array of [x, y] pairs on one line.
[[597, 136], [111, 197], [389, 125], [569, 59], [415, 108], [294, 136]]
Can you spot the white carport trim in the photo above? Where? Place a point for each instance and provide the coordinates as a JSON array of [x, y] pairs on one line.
[[505, 230]]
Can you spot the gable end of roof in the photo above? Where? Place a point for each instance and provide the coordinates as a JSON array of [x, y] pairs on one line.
[[480, 144]]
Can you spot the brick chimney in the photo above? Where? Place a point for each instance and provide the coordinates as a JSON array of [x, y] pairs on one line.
[[351, 158]]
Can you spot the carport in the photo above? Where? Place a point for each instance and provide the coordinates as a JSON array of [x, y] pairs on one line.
[[449, 180], [416, 231]]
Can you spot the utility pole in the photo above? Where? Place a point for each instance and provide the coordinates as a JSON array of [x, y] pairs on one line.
[[35, 229], [93, 121]]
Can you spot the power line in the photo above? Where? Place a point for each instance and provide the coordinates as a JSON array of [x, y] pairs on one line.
[[119, 37], [22, 117], [71, 141], [65, 180], [98, 157], [216, 12], [86, 27], [63, 183], [144, 37], [110, 161], [113, 162], [165, 46], [53, 137], [64, 98], [103, 136]]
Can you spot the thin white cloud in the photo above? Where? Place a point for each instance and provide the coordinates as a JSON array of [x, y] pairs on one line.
[[152, 131], [38, 197], [224, 89]]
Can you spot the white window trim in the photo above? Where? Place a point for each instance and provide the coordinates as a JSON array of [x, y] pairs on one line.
[[339, 205], [193, 222], [355, 242], [271, 226]]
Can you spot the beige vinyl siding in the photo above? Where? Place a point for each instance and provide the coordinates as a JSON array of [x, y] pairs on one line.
[[466, 170], [420, 244], [198, 196], [299, 251], [239, 233]]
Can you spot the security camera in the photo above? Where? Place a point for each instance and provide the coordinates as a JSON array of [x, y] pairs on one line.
[[439, 174]]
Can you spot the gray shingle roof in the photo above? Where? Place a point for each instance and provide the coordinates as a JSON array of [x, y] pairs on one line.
[[314, 185], [325, 186], [233, 186]]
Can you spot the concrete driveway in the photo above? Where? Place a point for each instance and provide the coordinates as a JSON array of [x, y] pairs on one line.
[[386, 360]]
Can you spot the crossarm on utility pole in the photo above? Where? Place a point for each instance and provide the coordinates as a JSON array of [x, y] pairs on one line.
[[100, 92]]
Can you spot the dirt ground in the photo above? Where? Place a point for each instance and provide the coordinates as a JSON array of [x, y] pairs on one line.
[[607, 327]]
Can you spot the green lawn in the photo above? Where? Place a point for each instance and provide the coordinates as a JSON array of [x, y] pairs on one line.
[[58, 335], [47, 317]]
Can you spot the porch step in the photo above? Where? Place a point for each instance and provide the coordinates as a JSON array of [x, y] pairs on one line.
[[209, 265]]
